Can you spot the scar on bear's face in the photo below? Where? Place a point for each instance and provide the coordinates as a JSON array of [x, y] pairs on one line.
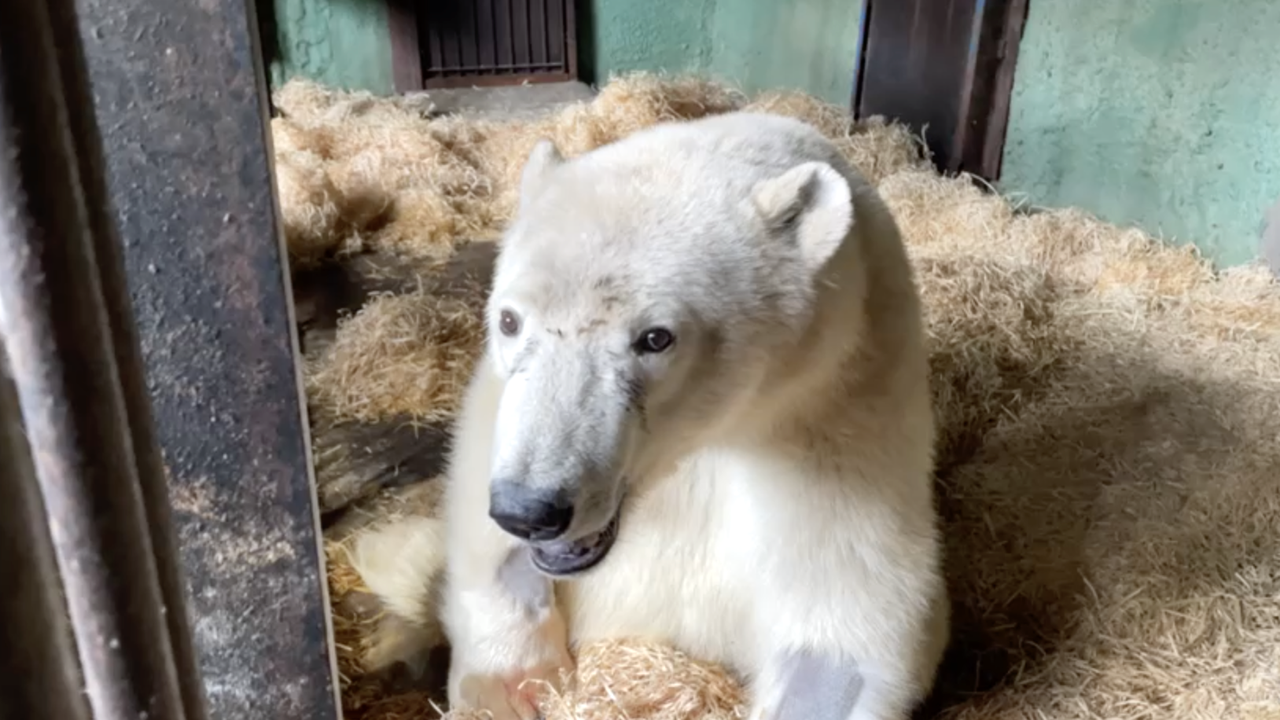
[[605, 283], [608, 309], [608, 290], [591, 326]]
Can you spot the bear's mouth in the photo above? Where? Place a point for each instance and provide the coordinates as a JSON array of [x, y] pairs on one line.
[[561, 558]]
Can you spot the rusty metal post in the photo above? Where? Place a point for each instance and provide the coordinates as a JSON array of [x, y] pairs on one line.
[[180, 96], [115, 290], [57, 325], [35, 638]]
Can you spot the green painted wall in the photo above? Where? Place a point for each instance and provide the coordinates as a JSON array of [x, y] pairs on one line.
[[810, 45], [652, 35], [343, 43], [1160, 113]]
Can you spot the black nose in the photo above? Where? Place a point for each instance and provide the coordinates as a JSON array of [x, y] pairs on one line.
[[529, 513]]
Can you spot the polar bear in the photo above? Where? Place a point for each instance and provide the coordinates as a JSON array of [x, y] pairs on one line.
[[701, 417]]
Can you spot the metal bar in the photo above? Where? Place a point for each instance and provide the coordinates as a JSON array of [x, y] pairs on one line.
[[488, 69], [450, 35], [860, 54], [35, 636], [182, 101], [538, 31], [946, 67], [915, 65], [467, 81], [520, 29], [406, 50], [505, 12], [496, 31], [556, 33], [110, 263], [571, 39], [57, 334], [999, 39], [466, 33], [435, 43], [486, 47]]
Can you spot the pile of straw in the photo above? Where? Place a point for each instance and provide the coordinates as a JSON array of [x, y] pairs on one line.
[[1109, 461], [358, 173]]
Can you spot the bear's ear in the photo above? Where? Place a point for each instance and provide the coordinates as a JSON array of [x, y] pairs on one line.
[[542, 159], [814, 202]]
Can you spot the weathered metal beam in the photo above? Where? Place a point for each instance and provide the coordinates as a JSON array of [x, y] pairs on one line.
[[35, 637], [106, 241], [406, 52], [58, 321], [989, 87], [180, 95], [944, 67]]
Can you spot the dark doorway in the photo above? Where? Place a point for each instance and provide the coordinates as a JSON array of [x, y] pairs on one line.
[[495, 42]]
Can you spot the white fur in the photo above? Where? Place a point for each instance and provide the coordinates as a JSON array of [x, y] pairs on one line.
[[776, 472], [402, 562], [399, 562]]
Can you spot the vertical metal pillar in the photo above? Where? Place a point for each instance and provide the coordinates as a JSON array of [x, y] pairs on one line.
[[74, 384], [35, 637], [181, 99]]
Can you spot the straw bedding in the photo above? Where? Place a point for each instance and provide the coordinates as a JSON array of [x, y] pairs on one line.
[[1109, 460]]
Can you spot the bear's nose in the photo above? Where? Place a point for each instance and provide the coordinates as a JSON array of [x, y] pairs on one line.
[[529, 513]]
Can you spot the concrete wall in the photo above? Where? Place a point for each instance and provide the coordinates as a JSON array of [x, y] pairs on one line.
[[343, 43], [1160, 113], [811, 45], [760, 44], [652, 35]]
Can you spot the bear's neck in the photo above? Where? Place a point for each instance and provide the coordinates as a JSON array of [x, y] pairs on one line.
[[863, 349]]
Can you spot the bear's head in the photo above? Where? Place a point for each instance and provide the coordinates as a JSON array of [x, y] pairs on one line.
[[641, 301]]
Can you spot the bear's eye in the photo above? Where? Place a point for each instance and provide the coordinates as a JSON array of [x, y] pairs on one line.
[[654, 340], [509, 323]]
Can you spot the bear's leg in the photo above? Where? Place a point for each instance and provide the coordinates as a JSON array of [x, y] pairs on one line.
[[808, 685], [508, 637], [843, 620]]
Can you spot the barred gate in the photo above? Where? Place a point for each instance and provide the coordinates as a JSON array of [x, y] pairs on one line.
[[496, 42]]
